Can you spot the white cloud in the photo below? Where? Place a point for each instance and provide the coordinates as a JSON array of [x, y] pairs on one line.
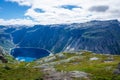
[[17, 22], [54, 14]]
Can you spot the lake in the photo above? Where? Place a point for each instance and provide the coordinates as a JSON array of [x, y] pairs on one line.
[[29, 54]]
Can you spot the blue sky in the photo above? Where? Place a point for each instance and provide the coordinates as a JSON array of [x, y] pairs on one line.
[[57, 11], [9, 10], [70, 7]]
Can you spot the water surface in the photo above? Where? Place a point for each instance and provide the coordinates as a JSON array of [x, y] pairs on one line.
[[28, 54]]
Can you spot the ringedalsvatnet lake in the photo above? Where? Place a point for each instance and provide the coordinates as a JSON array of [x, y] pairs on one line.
[[28, 54]]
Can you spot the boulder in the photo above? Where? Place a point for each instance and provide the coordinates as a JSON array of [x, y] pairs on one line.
[[2, 52], [93, 58], [78, 74], [117, 70], [61, 56]]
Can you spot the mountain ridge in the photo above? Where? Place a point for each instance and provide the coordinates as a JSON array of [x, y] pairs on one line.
[[96, 36]]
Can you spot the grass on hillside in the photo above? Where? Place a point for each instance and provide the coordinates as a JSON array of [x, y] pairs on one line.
[[19, 71], [98, 69]]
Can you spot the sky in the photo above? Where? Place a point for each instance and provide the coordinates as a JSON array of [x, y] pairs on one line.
[[28, 12]]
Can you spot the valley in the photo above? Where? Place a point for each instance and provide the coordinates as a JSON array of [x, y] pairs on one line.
[[59, 39], [78, 51], [97, 36]]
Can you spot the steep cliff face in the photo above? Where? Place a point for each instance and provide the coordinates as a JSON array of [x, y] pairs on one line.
[[2, 58], [6, 38], [96, 36]]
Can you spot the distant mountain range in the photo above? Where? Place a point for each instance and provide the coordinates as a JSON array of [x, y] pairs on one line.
[[96, 36]]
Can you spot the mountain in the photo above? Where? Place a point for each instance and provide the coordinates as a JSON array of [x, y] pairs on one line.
[[96, 36], [5, 39]]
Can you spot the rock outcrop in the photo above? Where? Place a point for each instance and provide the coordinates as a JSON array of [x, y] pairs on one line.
[[1, 56]]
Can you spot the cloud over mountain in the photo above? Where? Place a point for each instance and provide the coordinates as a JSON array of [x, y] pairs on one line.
[[69, 11], [101, 8]]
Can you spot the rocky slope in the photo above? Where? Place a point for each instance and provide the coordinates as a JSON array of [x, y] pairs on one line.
[[2, 53], [96, 36], [81, 65]]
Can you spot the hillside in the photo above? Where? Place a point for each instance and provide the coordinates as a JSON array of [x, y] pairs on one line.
[[96, 36], [81, 65], [68, 47]]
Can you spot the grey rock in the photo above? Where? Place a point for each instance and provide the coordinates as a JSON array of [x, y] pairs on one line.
[[61, 56], [117, 70], [49, 59], [93, 58], [78, 74]]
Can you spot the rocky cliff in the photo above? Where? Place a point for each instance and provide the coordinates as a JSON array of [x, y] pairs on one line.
[[96, 36]]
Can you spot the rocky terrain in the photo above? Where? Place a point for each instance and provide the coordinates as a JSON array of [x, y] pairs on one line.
[[2, 53], [96, 36], [83, 65], [73, 51]]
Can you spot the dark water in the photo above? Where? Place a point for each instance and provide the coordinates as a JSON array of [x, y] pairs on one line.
[[28, 54]]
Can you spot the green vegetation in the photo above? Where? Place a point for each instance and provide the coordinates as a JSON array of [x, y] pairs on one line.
[[9, 58], [95, 34], [98, 69], [19, 71]]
